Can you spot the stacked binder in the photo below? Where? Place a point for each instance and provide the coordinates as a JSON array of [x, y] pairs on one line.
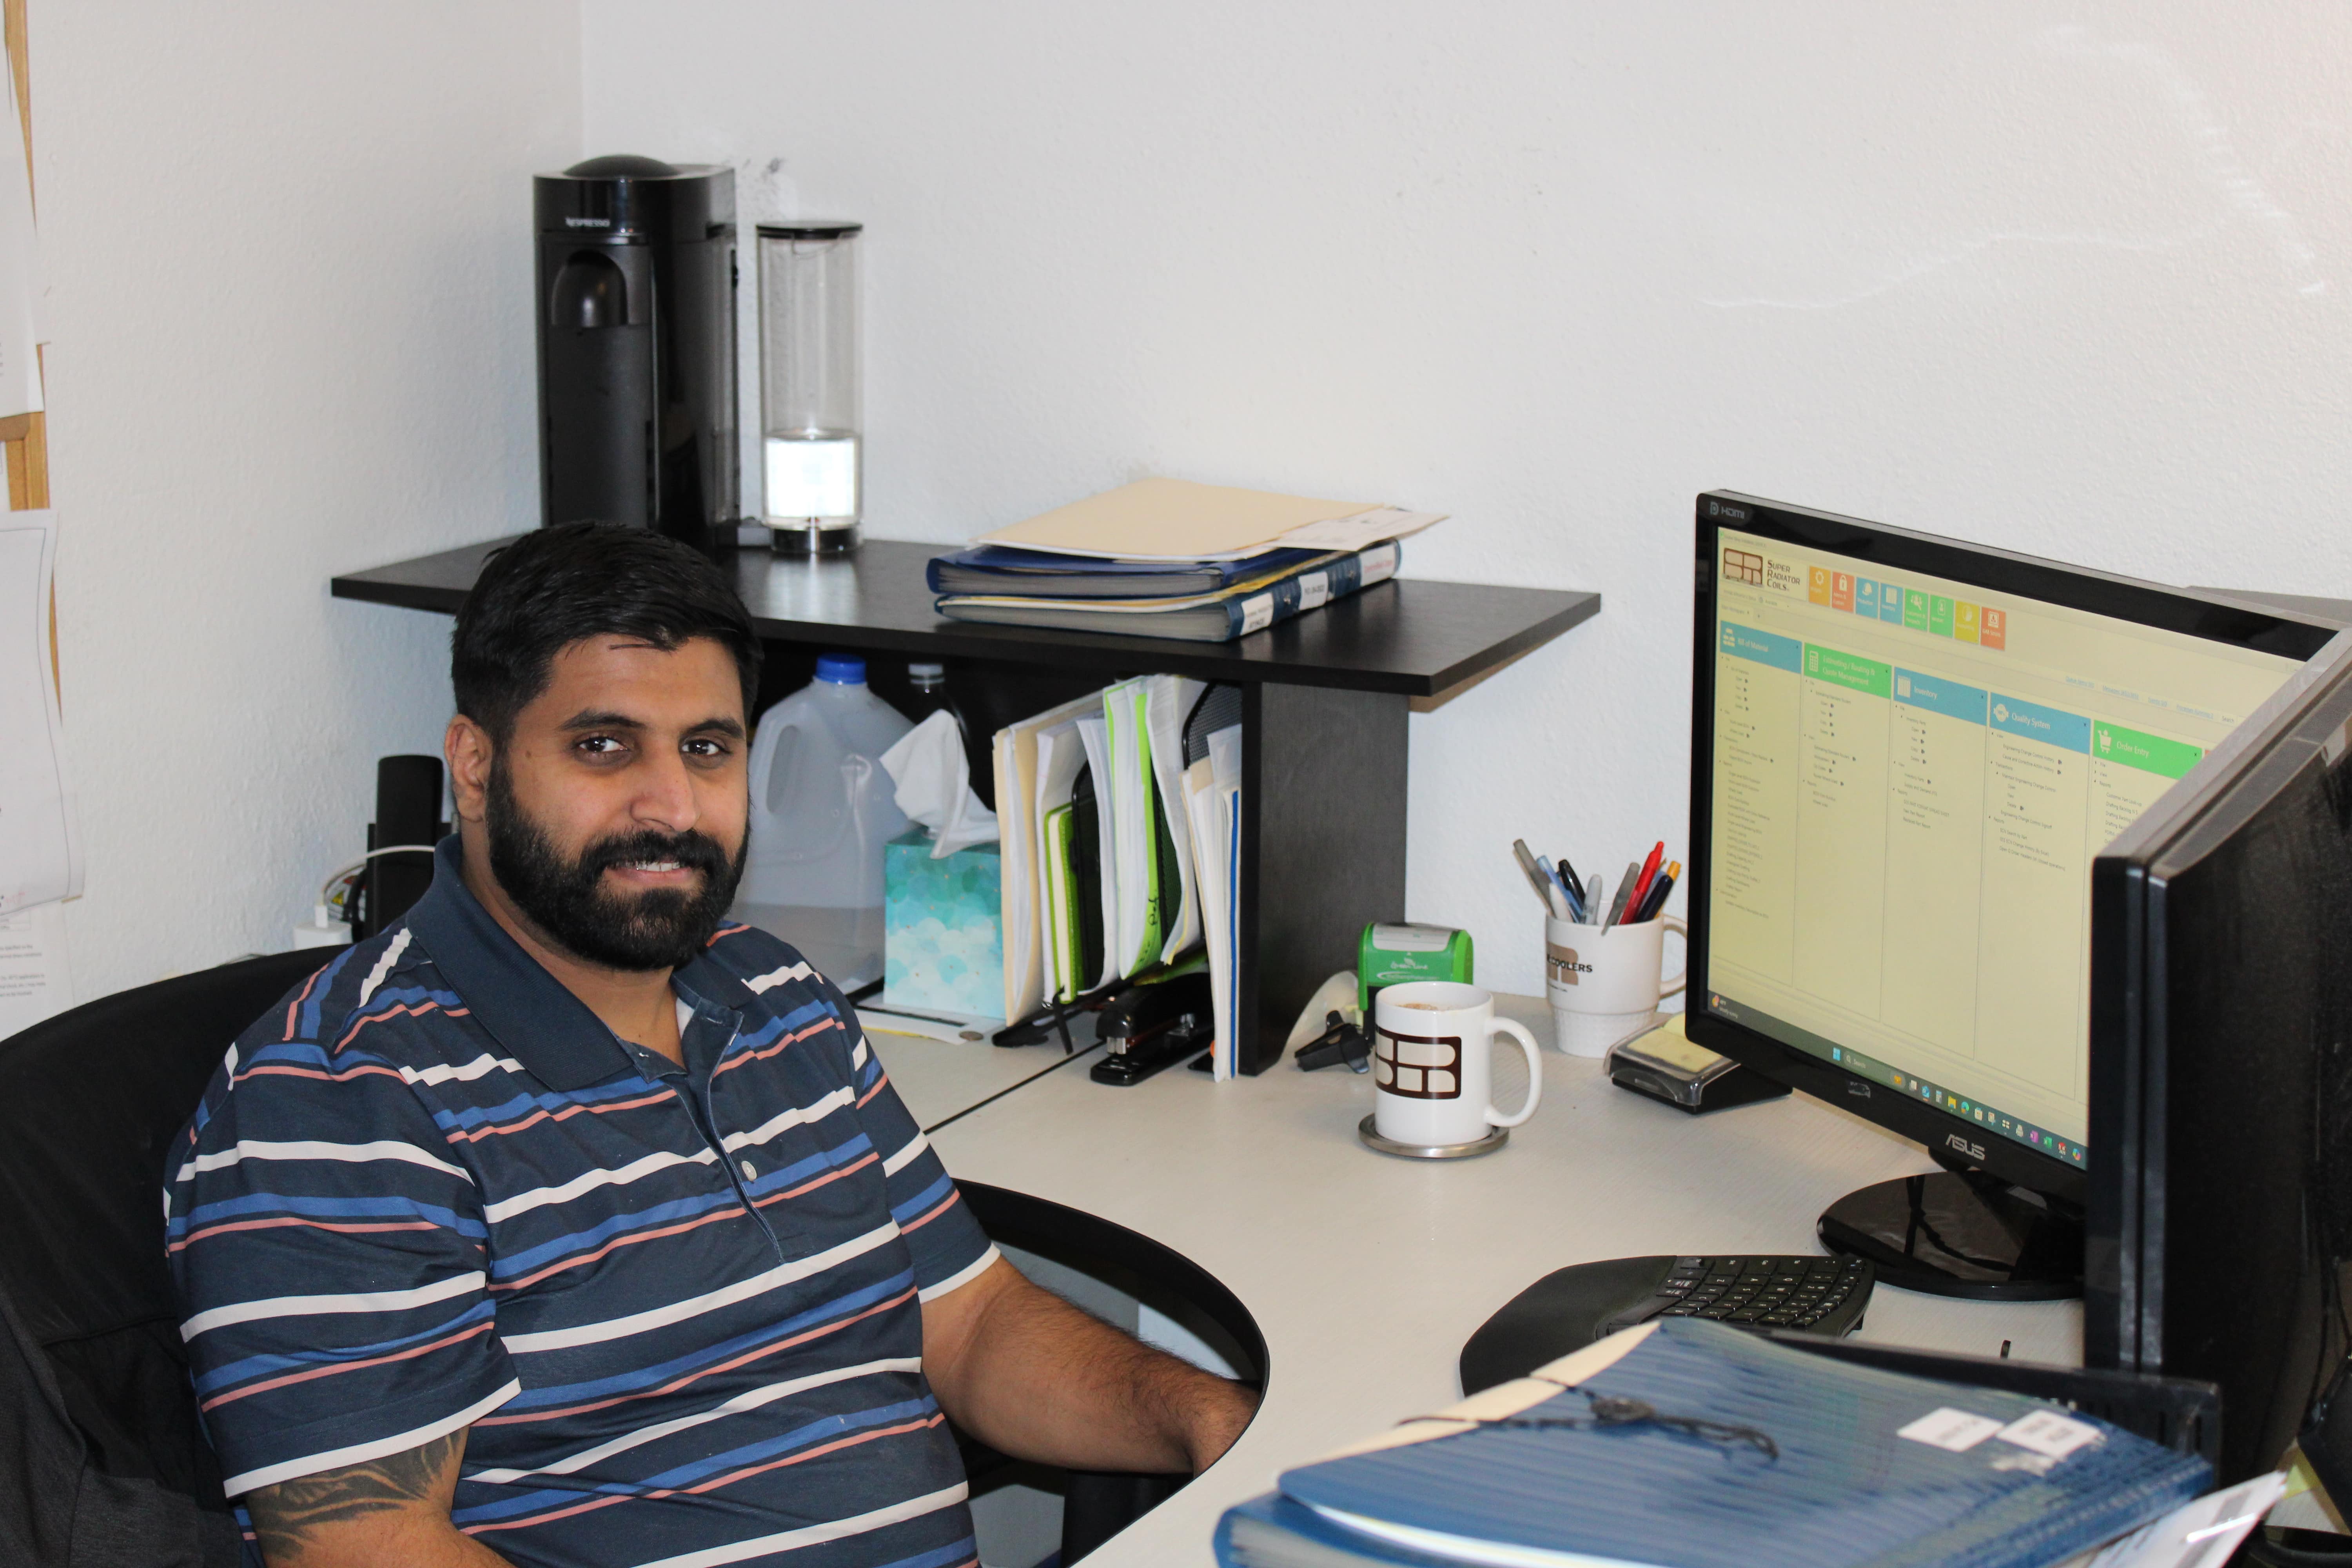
[[1121, 816], [1692, 1443], [1169, 558]]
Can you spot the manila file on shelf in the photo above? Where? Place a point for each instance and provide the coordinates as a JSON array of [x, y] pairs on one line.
[[1177, 520], [1016, 755]]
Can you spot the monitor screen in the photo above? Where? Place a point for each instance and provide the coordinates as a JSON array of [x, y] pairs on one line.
[[1908, 777]]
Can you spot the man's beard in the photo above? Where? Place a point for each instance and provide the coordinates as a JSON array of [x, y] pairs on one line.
[[661, 929]]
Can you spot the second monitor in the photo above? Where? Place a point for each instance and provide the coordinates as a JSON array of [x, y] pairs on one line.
[[1906, 752]]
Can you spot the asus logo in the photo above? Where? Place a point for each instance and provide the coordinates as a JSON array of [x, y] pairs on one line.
[[1973, 1150], [587, 222]]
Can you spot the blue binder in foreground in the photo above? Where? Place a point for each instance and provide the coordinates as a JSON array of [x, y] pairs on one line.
[[1686, 1443]]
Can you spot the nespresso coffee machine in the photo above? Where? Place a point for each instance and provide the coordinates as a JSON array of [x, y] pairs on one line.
[[637, 346]]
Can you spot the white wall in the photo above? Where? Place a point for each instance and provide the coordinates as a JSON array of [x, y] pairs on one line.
[[2070, 280], [288, 246]]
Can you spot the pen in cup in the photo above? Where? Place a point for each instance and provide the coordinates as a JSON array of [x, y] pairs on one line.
[[1624, 893], [1535, 877], [1649, 874], [1656, 898], [1567, 890]]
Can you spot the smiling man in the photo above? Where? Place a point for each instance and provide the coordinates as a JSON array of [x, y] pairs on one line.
[[565, 1223]]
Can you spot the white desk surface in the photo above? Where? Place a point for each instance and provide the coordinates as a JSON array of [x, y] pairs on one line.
[[940, 1078], [1366, 1273]]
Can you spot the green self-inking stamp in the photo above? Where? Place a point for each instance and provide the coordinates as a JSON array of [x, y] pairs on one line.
[[1392, 954]]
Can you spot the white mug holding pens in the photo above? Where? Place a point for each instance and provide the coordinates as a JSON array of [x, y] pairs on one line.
[[1602, 958]]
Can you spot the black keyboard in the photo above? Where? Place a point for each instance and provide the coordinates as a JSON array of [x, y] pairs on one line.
[[1570, 1308], [1818, 1295]]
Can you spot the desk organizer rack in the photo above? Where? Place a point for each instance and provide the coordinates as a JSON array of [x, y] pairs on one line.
[[1324, 702]]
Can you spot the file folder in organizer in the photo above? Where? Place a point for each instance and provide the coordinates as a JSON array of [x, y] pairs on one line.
[[1017, 758], [1138, 830], [1212, 801], [1096, 734], [1168, 702]]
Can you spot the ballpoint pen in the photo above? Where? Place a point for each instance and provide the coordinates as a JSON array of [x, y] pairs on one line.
[[1567, 894], [1649, 874], [1575, 898], [1656, 898], [1592, 901], [1568, 876], [1536, 878], [1559, 907]]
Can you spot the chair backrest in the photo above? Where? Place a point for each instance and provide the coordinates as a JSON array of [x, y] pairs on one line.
[[90, 1101]]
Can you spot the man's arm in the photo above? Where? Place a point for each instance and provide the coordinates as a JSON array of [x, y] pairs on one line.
[[391, 1512], [1033, 1376]]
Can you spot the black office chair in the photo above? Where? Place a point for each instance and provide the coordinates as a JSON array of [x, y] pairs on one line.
[[1098, 1504], [101, 1465]]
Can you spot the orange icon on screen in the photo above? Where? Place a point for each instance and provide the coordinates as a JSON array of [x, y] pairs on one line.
[[1817, 584], [1842, 590], [1992, 628]]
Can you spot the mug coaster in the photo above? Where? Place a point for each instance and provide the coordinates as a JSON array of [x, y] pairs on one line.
[[1369, 1130]]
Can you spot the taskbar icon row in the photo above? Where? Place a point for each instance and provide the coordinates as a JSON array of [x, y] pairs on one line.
[[2038, 1139]]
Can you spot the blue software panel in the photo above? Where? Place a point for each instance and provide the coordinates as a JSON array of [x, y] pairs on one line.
[[2050, 726], [1764, 648], [1866, 597], [1938, 695], [1890, 603]]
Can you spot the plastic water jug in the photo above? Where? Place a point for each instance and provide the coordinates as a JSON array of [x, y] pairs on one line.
[[821, 812]]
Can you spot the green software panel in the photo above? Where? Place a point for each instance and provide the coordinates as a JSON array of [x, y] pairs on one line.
[[1911, 780]]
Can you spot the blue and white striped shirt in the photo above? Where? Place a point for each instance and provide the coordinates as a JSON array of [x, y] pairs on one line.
[[679, 1307]]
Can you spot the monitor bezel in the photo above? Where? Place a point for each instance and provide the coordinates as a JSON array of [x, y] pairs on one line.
[[2195, 614]]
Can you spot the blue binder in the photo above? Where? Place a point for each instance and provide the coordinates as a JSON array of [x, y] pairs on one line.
[[1797, 1463]]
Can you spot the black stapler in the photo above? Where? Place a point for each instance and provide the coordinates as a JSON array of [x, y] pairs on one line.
[[1147, 1027], [1340, 1042]]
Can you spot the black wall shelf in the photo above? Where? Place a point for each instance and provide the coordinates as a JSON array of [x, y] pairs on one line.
[[1325, 700]]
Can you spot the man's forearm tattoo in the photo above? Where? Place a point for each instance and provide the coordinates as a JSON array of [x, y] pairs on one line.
[[288, 1515]]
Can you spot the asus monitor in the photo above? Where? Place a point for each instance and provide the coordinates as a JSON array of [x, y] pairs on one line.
[[1907, 752]]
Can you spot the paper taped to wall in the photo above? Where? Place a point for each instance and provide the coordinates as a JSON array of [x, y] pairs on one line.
[[40, 850], [34, 980]]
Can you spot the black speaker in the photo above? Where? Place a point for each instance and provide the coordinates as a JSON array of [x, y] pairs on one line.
[[407, 811]]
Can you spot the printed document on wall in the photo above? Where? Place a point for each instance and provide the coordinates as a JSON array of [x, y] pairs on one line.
[[35, 982], [40, 852], [21, 279]]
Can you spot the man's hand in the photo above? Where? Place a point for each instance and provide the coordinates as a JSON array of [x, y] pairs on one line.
[[1033, 1376], [391, 1512]]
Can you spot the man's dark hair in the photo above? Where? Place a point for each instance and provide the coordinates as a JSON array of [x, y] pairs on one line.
[[554, 586]]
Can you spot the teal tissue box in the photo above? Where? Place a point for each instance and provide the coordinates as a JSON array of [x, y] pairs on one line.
[[943, 927]]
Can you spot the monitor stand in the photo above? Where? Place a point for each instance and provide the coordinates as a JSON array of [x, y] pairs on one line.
[[1960, 1231]]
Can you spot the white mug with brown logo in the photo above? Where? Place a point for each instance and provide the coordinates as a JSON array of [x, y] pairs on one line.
[[1603, 980], [1432, 1072]]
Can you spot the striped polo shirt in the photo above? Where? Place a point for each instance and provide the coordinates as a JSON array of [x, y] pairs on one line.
[[679, 1307]]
